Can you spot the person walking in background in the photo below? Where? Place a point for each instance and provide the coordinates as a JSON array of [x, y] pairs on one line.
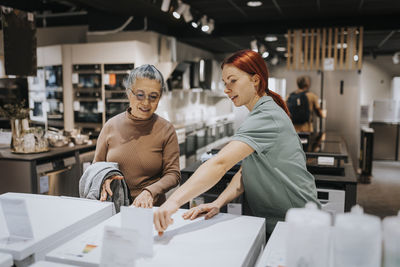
[[302, 103], [273, 172]]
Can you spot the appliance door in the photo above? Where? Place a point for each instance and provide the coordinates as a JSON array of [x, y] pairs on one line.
[[87, 111], [37, 103], [384, 147], [115, 106], [331, 200], [59, 181]]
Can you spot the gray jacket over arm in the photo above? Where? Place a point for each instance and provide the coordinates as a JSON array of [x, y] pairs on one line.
[[93, 178]]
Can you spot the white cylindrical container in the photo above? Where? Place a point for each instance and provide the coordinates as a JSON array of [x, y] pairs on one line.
[[357, 239], [307, 242], [391, 241]]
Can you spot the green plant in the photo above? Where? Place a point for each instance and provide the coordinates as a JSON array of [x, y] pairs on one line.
[[15, 111]]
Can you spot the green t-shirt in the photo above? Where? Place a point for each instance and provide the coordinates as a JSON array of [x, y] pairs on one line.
[[275, 176]]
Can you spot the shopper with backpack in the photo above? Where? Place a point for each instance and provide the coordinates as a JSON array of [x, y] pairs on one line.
[[301, 104]]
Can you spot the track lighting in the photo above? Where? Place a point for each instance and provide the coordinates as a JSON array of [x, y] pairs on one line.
[[254, 46]]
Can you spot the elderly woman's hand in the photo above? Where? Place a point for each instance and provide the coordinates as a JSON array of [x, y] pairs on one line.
[[143, 200], [209, 209], [106, 189]]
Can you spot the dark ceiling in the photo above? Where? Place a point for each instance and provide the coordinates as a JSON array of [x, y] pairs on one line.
[[236, 24]]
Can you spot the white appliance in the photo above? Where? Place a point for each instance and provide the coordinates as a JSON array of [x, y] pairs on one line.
[[385, 111], [37, 97], [331, 200]]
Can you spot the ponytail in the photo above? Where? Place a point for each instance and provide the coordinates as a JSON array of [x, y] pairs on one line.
[[278, 100]]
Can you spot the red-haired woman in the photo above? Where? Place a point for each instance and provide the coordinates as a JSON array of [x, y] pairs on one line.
[[273, 172]]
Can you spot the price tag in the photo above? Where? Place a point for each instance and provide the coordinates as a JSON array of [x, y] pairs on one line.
[[328, 161], [235, 208], [75, 78], [44, 184], [140, 220], [100, 106], [119, 247], [106, 78], [17, 218], [77, 106], [30, 16]]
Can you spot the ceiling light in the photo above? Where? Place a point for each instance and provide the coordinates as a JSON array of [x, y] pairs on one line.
[[395, 58], [254, 3], [194, 25], [339, 46], [271, 38], [253, 45], [265, 54], [281, 49], [205, 28], [179, 11], [355, 57], [165, 5]]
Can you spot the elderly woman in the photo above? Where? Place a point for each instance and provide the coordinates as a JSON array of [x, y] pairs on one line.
[[143, 144]]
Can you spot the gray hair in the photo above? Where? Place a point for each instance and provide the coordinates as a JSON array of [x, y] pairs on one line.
[[145, 71]]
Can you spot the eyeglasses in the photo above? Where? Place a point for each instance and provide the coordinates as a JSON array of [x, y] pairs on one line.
[[141, 95]]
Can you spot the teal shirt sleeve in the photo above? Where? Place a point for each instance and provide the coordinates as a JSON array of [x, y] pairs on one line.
[[258, 131]]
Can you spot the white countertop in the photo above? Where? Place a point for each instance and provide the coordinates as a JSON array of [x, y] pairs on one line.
[[5, 260], [50, 264], [225, 240], [54, 220], [274, 252]]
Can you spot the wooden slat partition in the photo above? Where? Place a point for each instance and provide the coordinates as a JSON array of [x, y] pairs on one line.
[[307, 49], [289, 50], [360, 47], [317, 49], [312, 50], [323, 47]]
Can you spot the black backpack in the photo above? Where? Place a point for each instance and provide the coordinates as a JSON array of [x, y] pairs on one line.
[[298, 107]]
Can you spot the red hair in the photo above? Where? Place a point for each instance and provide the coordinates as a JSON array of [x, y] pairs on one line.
[[252, 63]]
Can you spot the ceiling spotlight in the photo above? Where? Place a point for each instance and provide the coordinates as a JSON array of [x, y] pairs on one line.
[[395, 58], [265, 54], [165, 5], [355, 57], [195, 24], [281, 49], [205, 28], [254, 46], [181, 8], [271, 38], [254, 3], [340, 46]]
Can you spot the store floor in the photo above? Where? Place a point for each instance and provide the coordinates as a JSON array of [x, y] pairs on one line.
[[382, 196]]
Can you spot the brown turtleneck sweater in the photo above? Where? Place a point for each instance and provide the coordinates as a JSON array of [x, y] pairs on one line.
[[147, 152]]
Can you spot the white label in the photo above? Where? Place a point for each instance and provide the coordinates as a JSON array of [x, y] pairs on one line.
[[329, 161], [75, 78], [30, 16], [44, 184], [106, 78], [17, 218], [5, 137], [119, 247], [77, 106], [235, 208], [46, 106], [45, 167], [100, 106], [141, 220], [329, 64]]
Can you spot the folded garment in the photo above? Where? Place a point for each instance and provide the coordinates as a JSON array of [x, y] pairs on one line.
[[93, 178]]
